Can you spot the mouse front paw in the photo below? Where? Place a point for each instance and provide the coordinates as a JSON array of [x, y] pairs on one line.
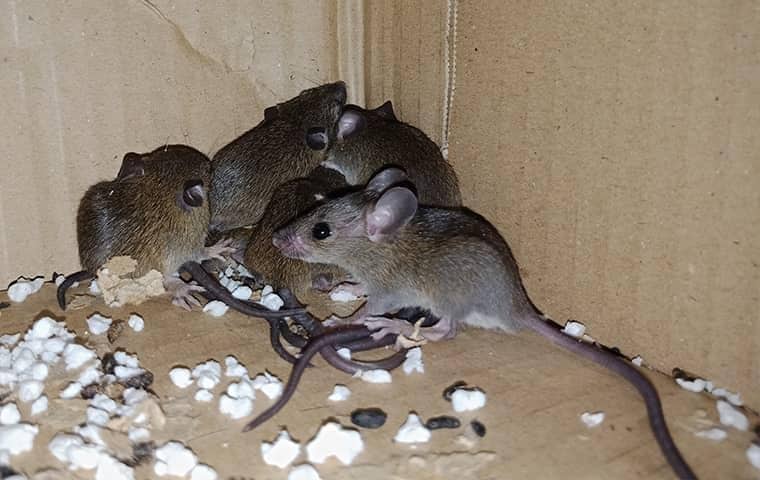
[[382, 326], [222, 248]]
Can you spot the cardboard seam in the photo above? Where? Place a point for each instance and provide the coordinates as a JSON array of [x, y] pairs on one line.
[[450, 54]]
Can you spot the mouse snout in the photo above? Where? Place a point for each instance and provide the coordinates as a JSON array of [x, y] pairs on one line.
[[290, 244]]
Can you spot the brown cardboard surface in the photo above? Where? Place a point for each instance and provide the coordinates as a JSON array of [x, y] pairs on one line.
[[615, 146], [85, 82], [536, 394]]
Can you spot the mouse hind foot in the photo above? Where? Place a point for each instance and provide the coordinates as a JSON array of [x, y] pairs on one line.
[[182, 293]]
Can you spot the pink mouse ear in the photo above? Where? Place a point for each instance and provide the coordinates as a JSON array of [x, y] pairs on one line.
[[392, 211], [350, 122], [386, 178]]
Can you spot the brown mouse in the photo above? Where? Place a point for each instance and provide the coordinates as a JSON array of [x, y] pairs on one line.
[[451, 262], [155, 211], [290, 200], [289, 143], [370, 140]]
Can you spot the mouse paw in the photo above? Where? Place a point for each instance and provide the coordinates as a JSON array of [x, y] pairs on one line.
[[222, 248], [382, 326], [182, 293]]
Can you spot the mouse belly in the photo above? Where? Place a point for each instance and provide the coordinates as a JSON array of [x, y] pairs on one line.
[[490, 322]]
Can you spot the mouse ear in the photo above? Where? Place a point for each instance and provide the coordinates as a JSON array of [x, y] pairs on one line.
[[385, 178], [131, 166], [386, 111], [193, 194], [271, 113], [392, 211], [316, 138], [350, 122]]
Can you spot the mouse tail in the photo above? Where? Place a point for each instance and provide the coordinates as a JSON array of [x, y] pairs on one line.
[[80, 276], [605, 358], [338, 335]]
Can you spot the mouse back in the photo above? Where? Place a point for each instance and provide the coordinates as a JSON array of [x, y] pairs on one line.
[[369, 140], [289, 143], [155, 210], [290, 200]]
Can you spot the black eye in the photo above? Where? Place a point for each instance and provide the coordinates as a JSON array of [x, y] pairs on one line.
[[316, 138], [321, 231]]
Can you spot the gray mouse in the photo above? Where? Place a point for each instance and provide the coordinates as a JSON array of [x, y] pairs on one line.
[[451, 262], [370, 140], [289, 143], [290, 200]]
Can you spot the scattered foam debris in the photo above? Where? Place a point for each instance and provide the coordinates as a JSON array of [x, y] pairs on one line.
[[9, 414], [181, 377], [637, 360], [342, 295], [732, 398], [234, 367], [241, 389], [592, 419], [136, 323], [412, 431], [173, 458], [23, 287], [375, 376], [9, 340], [39, 406], [466, 399], [58, 279], [138, 434], [731, 417], [269, 385], [242, 292], [344, 353], [696, 385], [753, 455], [203, 395], [94, 289], [215, 308], [98, 324], [304, 472], [270, 299], [30, 390], [77, 355], [203, 472], [339, 393], [207, 374], [235, 408], [111, 469], [413, 362], [715, 434], [333, 440], [71, 390], [574, 329], [282, 451], [17, 438]]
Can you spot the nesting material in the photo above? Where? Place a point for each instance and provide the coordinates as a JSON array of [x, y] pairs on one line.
[[697, 385], [234, 368], [574, 329], [94, 289], [637, 360], [269, 385], [242, 293], [753, 455], [332, 440], [18, 438], [9, 414], [592, 419], [173, 458], [215, 308], [23, 287], [731, 417], [413, 362], [270, 299], [304, 472], [344, 353], [235, 408], [342, 296], [136, 323], [39, 406], [730, 397], [714, 434], [76, 356], [281, 452], [375, 376], [340, 393], [412, 431], [203, 395], [181, 377], [467, 399], [30, 390], [203, 472], [208, 374]]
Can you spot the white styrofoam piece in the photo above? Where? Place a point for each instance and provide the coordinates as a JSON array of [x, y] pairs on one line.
[[412, 431], [281, 452]]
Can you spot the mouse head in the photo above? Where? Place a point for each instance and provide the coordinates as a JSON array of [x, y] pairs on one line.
[[344, 229], [314, 114]]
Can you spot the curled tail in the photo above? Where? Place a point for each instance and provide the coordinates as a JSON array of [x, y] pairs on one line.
[[80, 276], [634, 376]]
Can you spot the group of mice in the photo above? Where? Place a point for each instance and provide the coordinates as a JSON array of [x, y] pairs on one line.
[[326, 195]]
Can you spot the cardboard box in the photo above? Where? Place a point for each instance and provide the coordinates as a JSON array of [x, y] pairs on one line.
[[614, 146]]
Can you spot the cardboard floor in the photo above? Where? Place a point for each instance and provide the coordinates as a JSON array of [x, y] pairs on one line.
[[536, 394]]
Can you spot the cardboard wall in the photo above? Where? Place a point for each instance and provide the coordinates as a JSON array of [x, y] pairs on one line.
[[616, 147]]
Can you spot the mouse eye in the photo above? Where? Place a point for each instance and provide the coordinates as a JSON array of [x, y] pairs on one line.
[[193, 194], [316, 138], [321, 231]]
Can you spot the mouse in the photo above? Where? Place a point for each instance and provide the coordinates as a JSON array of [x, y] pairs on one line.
[[449, 261], [368, 140], [288, 143], [289, 200], [155, 211]]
